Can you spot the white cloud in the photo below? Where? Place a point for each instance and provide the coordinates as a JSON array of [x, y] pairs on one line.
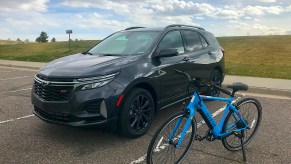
[[267, 1], [34, 16], [24, 5], [261, 10], [248, 18], [201, 18], [257, 29]]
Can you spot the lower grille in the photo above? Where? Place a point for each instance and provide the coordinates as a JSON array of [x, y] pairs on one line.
[[93, 107], [62, 117]]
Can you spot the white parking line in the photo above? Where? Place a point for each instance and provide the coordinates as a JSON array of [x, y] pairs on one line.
[[6, 71], [143, 158], [21, 69], [14, 119], [11, 78], [16, 90]]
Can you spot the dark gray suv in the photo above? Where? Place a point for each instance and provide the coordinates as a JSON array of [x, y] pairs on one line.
[[127, 77]]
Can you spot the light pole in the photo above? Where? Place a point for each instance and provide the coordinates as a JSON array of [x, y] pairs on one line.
[[69, 32]]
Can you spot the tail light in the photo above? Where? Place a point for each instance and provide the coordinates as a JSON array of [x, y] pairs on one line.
[[222, 50]]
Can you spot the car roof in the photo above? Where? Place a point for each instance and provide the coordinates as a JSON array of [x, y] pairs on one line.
[[145, 29], [163, 28]]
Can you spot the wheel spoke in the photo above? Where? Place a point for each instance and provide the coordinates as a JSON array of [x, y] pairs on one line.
[[133, 123], [145, 104], [145, 117]]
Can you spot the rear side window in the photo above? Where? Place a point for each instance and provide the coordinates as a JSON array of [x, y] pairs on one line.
[[192, 41], [204, 43], [211, 39], [172, 39]]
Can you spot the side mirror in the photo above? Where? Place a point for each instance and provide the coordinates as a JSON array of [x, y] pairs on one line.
[[168, 52]]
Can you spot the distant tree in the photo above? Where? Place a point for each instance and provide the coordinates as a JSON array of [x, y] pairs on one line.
[[8, 39], [76, 40], [42, 38], [53, 40], [18, 40], [26, 40]]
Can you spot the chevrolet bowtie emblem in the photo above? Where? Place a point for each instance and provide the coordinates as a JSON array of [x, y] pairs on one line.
[[45, 83]]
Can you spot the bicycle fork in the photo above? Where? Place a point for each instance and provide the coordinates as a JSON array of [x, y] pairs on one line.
[[181, 136]]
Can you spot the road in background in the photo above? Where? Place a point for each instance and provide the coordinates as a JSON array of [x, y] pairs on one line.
[[26, 139]]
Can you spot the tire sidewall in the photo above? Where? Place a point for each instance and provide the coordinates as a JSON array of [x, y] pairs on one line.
[[212, 75], [124, 127]]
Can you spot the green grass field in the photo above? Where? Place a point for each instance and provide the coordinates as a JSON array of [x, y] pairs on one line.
[[43, 52], [261, 56]]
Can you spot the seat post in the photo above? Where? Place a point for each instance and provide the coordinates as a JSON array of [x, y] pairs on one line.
[[232, 93]]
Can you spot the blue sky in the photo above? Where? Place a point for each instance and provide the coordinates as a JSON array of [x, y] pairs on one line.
[[95, 19]]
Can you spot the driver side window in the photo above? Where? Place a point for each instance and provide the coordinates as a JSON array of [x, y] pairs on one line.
[[172, 39]]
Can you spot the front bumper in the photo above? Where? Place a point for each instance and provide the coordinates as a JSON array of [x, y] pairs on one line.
[[83, 108]]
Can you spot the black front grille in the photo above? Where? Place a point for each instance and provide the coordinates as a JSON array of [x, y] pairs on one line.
[[51, 92], [62, 117]]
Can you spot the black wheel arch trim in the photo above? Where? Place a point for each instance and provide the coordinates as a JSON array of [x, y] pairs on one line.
[[143, 83]]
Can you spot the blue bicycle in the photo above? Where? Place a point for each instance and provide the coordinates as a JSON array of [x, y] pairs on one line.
[[237, 126]]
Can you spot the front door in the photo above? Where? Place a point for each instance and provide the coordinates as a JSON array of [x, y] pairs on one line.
[[173, 85]]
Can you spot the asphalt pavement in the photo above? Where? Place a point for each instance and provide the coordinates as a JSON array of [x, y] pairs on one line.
[[26, 139]]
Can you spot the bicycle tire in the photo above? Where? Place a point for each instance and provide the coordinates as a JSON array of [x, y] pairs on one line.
[[154, 149], [250, 102]]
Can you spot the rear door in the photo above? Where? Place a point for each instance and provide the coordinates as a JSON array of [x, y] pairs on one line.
[[199, 57]]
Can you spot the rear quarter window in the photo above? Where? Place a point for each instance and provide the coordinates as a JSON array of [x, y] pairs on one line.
[[211, 39]]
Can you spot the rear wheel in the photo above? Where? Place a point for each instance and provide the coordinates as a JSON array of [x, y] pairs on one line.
[[216, 78], [251, 110], [161, 150], [136, 113]]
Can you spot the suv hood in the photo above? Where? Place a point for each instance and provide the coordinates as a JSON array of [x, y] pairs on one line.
[[80, 65]]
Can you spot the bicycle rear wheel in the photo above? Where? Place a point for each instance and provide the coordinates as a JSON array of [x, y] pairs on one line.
[[251, 110], [163, 151]]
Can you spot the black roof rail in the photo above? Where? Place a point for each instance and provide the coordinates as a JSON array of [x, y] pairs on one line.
[[130, 28], [181, 25]]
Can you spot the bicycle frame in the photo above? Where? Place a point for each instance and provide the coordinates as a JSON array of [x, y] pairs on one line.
[[216, 129]]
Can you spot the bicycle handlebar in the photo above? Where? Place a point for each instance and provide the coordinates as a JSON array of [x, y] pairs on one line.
[[202, 84]]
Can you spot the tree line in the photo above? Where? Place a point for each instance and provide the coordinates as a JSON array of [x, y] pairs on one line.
[[43, 38]]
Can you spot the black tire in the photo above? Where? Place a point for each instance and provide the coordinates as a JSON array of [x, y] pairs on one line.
[[136, 113], [251, 111], [216, 78], [162, 154]]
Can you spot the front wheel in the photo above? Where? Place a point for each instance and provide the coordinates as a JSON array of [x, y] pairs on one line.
[[161, 150], [251, 110], [136, 114]]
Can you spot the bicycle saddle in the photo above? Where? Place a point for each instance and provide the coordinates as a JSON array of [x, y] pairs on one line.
[[238, 86]]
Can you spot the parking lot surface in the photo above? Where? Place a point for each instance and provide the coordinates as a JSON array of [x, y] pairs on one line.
[[26, 139]]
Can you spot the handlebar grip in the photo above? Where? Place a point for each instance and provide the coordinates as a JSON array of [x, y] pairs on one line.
[[222, 90]]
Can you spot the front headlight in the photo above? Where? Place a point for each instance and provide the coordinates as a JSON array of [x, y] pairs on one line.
[[95, 82]]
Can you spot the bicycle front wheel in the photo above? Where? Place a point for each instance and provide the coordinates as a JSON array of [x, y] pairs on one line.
[[251, 110], [161, 150]]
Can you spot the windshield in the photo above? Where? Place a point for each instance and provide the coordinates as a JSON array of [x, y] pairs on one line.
[[127, 43]]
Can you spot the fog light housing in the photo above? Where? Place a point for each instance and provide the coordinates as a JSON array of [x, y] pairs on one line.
[[103, 110]]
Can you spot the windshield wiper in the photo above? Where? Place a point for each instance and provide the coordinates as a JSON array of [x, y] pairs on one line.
[[110, 55], [87, 53]]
